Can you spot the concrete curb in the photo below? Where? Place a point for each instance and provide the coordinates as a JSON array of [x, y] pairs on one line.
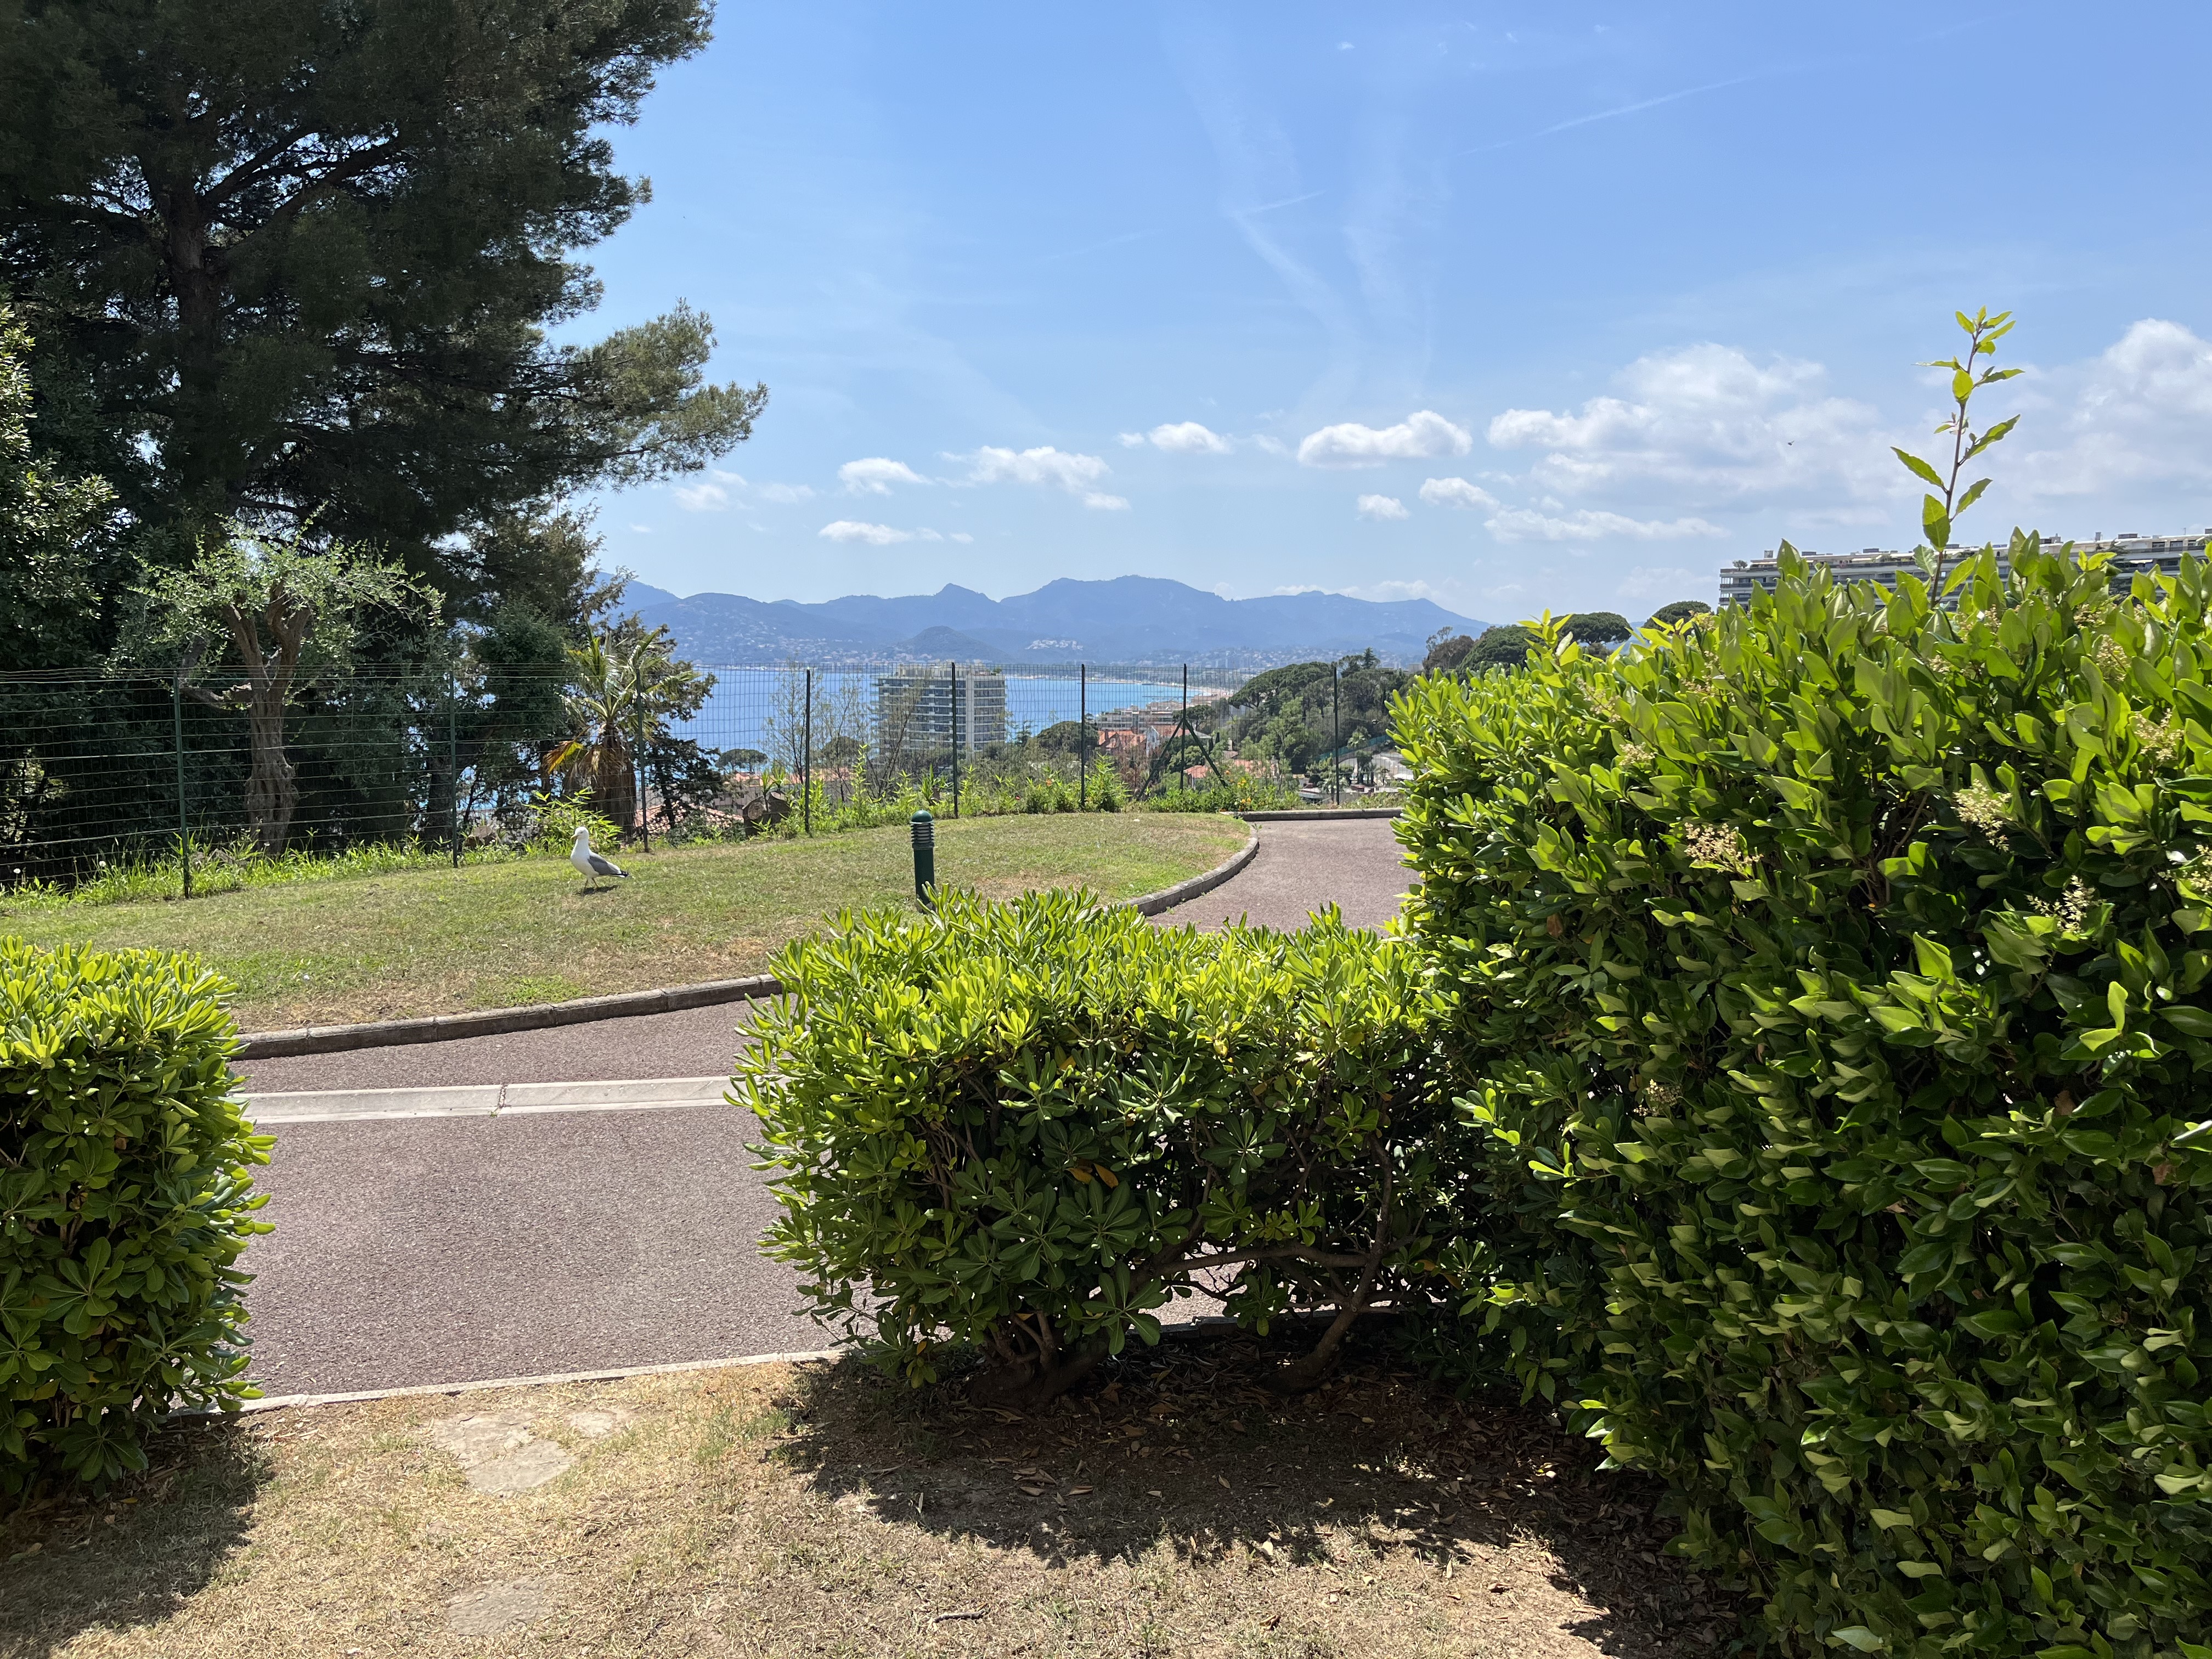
[[498, 1022], [482, 1100], [1183, 891], [284, 1401], [1314, 814], [539, 1016]]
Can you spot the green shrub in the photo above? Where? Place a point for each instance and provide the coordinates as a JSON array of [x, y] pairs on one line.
[[1237, 792], [125, 1202], [1031, 1125], [555, 820], [1832, 988]]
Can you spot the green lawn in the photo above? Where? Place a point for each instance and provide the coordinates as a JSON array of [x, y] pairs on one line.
[[437, 941]]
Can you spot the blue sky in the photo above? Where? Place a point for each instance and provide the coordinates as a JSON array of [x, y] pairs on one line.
[[1502, 305]]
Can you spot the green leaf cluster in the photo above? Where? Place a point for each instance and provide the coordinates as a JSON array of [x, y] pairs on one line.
[[1831, 993], [1029, 1126], [125, 1199]]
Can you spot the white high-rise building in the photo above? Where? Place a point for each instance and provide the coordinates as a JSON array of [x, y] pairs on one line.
[[915, 713], [2132, 554]]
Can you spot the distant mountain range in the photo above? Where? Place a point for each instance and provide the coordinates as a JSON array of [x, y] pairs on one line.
[[1131, 619]]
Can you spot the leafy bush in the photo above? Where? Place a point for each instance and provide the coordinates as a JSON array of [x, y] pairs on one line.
[[1237, 791], [1832, 983], [993, 790], [124, 1202], [555, 820], [1031, 1125]]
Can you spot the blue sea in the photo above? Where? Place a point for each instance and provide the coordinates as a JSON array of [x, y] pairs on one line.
[[745, 702]]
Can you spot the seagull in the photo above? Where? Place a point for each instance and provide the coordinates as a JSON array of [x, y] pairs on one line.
[[593, 867]]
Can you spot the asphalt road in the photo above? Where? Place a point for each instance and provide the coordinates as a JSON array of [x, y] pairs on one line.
[[1354, 863], [453, 1249], [443, 1250]]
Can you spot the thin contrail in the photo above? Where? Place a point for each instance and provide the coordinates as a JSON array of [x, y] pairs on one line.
[[1100, 247], [1269, 207], [1624, 109]]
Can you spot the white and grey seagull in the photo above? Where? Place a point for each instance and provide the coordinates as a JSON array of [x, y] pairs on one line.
[[593, 867]]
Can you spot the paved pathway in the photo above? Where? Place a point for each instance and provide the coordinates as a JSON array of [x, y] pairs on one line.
[[450, 1249], [1354, 863]]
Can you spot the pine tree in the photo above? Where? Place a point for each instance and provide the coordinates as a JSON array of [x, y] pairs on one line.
[[294, 258]]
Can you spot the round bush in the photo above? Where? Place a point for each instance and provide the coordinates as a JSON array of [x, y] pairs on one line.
[[1029, 1126], [124, 1203]]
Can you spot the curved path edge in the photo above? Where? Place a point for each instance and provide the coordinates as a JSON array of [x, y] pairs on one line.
[[539, 1016]]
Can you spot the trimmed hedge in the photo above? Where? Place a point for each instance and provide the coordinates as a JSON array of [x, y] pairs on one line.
[[125, 1202], [1029, 1127], [1832, 992]]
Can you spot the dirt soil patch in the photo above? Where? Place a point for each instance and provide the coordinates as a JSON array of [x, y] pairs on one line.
[[1177, 1506]]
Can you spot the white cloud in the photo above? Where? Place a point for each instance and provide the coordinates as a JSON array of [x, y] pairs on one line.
[[1270, 445], [875, 535], [962, 536], [1665, 583], [1382, 507], [2142, 413], [1045, 466], [1132, 440], [642, 529], [875, 475], [1709, 427], [708, 496], [1188, 437], [1418, 437], [1685, 438], [718, 490], [1456, 492], [1522, 524]]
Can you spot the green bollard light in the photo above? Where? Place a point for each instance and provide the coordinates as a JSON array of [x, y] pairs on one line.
[[925, 857]]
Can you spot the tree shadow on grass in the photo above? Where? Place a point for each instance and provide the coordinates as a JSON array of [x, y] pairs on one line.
[[71, 1562], [1484, 1505]]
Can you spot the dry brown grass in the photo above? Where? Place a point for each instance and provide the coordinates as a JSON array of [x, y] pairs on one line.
[[1176, 1507]]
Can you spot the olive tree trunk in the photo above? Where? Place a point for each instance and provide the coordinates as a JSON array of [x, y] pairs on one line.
[[272, 788]]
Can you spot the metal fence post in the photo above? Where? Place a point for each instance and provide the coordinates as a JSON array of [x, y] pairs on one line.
[[644, 817], [953, 669], [806, 762], [1336, 734], [1081, 736], [453, 770], [184, 821]]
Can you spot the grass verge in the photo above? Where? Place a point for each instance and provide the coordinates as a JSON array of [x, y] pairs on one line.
[[1175, 1507], [486, 936]]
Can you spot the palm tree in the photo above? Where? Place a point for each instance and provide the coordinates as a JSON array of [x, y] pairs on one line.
[[625, 686]]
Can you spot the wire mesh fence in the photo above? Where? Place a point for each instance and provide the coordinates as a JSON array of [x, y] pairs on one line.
[[104, 771]]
